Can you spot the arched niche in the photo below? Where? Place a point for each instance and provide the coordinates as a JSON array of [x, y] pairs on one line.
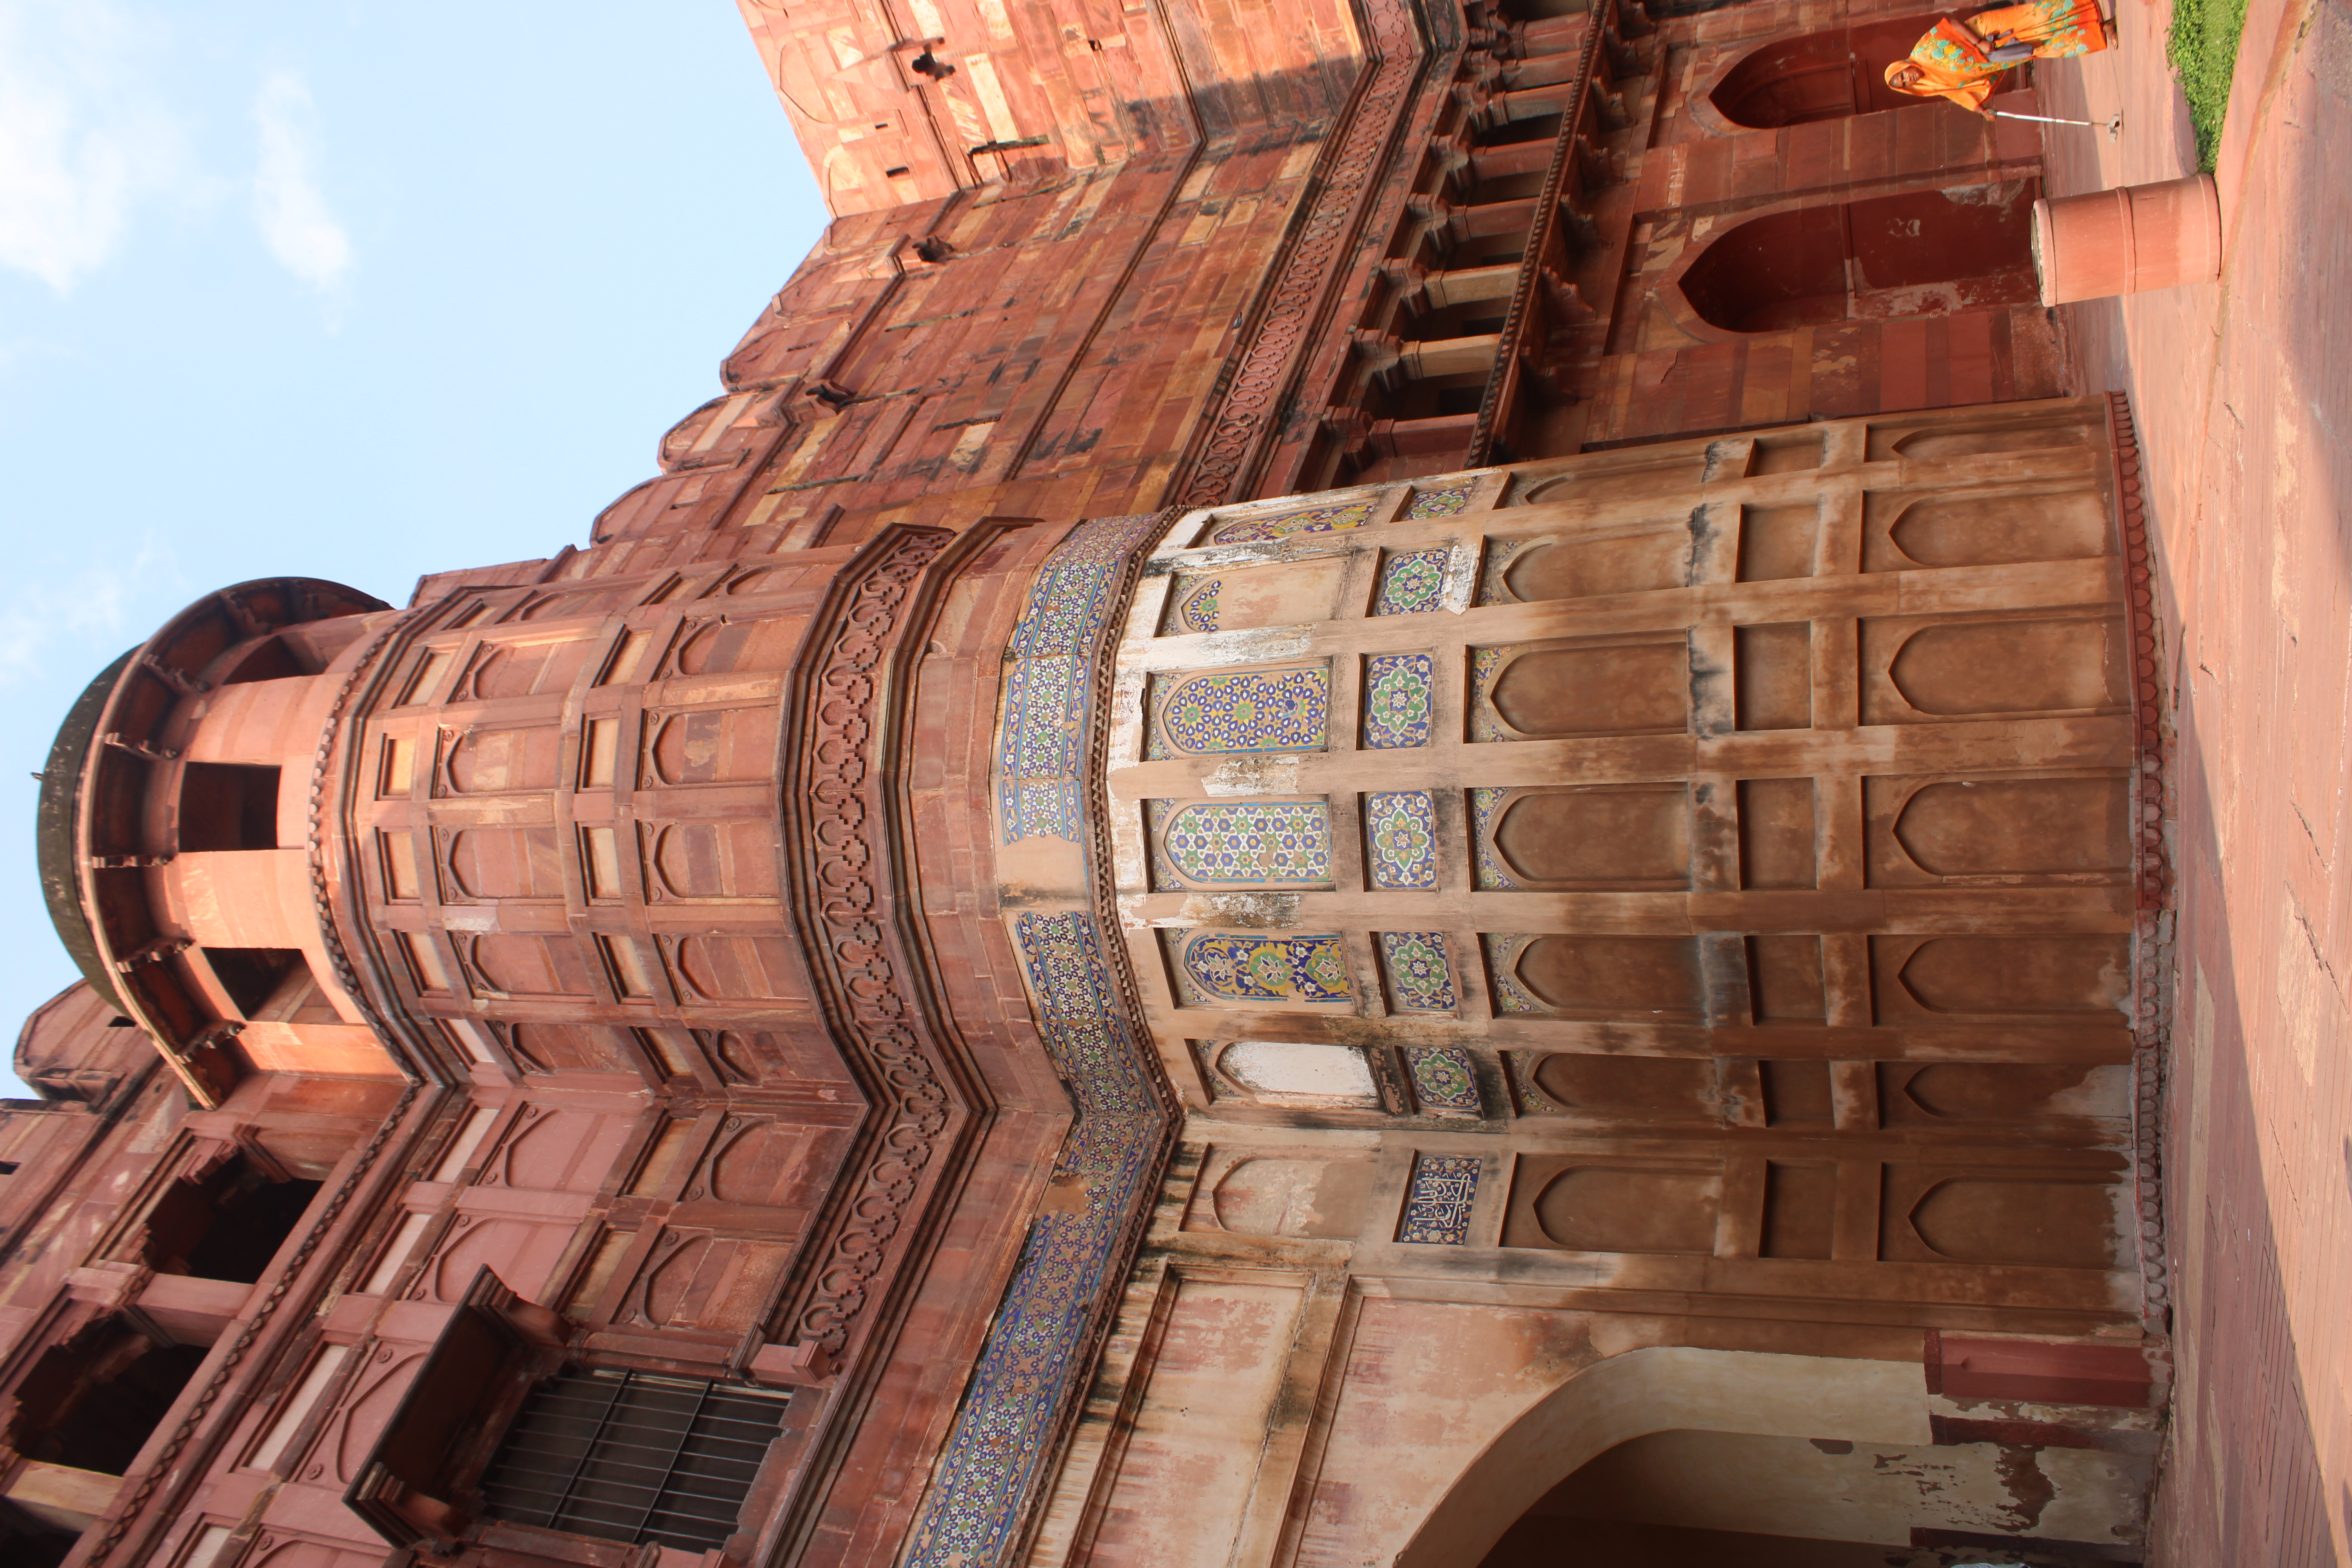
[[1931, 252], [1657, 1390], [1828, 75], [1709, 1499]]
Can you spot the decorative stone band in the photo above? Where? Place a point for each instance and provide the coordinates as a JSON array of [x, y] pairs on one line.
[[842, 833], [1026, 1389], [2152, 937]]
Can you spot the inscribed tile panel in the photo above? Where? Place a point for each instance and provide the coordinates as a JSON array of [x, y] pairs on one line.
[[1438, 1203], [1314, 520]]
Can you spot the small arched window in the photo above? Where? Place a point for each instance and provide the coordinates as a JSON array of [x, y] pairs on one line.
[[1922, 253], [1819, 76]]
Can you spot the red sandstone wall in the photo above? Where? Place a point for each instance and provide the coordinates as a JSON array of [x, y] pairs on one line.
[[1060, 360], [1036, 87]]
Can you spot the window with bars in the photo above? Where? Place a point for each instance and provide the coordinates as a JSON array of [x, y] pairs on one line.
[[634, 1456]]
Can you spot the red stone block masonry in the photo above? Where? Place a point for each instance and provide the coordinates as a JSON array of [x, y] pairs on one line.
[[1384, 789]]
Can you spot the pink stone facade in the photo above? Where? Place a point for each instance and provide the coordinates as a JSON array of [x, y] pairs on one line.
[[744, 956]]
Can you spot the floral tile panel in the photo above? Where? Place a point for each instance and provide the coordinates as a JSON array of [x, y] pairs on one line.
[[1439, 500], [1397, 691], [1443, 1078], [1413, 581], [1196, 605], [1486, 805], [1239, 967], [1400, 839], [1421, 978], [1503, 951]]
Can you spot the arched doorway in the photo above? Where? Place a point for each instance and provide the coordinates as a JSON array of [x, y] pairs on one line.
[[1919, 253], [1671, 1456], [1683, 1499], [1827, 75]]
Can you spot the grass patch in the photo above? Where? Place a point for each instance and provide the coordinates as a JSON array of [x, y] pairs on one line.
[[2203, 48]]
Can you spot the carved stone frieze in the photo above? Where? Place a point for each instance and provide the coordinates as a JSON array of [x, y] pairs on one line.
[[840, 836]]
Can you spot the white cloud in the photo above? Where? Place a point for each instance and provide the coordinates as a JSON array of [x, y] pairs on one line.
[[85, 138], [296, 222], [43, 609]]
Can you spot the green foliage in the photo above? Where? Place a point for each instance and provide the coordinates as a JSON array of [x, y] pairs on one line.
[[2203, 48]]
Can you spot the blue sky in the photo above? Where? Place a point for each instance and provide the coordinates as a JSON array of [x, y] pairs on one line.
[[349, 290]]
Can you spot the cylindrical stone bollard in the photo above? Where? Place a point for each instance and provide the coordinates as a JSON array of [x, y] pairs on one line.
[[2128, 240]]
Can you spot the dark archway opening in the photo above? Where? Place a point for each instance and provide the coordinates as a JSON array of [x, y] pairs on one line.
[[1823, 76], [29, 1540], [227, 1226], [92, 1402], [1923, 253]]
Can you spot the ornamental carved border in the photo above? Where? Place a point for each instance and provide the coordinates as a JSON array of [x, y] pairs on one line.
[[2152, 920], [841, 830]]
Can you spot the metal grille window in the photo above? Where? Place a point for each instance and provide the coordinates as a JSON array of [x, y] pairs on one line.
[[635, 1457]]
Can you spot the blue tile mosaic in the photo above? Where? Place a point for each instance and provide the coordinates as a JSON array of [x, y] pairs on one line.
[[1486, 663], [1037, 1352], [1039, 694], [1073, 594], [1050, 685], [1069, 977], [1240, 710], [1257, 844], [1413, 582], [1156, 814], [1397, 700], [1503, 949], [1443, 1078], [1439, 500], [1421, 978], [1196, 604], [1037, 1355], [1242, 967], [1313, 520], [1438, 1203], [1484, 804], [1400, 839]]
